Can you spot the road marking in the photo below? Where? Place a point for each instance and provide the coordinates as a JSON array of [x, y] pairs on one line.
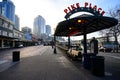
[[114, 57], [3, 61], [108, 74]]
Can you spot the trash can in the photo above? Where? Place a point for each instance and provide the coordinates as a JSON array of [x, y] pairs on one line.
[[87, 60], [97, 65], [16, 56]]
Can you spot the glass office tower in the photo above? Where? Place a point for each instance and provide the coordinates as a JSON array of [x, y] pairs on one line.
[[7, 9], [39, 26], [48, 29]]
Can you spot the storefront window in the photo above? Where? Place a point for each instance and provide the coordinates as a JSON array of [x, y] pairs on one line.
[[6, 43]]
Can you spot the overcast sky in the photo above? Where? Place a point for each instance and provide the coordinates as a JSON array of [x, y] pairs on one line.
[[52, 10]]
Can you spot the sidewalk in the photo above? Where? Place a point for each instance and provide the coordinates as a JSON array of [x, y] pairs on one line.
[[47, 66]]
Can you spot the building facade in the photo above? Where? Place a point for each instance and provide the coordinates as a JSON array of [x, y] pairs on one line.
[[30, 39], [27, 33], [19, 37], [6, 32], [7, 9], [9, 36], [17, 22], [39, 28]]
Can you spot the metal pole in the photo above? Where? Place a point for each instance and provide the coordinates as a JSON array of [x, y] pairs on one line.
[[55, 45]]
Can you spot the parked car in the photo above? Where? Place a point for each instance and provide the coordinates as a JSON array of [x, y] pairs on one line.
[[20, 45], [75, 52], [108, 47], [105, 49]]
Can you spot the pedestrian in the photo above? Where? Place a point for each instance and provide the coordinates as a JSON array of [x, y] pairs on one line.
[[52, 44]]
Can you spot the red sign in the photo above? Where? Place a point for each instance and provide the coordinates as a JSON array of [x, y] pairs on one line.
[[90, 6]]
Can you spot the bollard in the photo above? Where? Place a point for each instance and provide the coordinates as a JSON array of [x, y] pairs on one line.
[[55, 51], [16, 56], [97, 65]]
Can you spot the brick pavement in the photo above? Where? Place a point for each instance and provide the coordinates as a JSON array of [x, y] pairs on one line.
[[47, 66]]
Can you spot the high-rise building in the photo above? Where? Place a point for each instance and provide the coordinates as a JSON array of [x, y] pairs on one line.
[[27, 33], [7, 9], [39, 26], [48, 29], [17, 22]]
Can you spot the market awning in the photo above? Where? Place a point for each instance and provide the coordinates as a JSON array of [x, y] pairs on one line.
[[88, 23]]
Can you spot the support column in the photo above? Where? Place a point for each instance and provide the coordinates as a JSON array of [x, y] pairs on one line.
[[85, 41], [2, 44], [13, 44], [69, 42], [55, 45]]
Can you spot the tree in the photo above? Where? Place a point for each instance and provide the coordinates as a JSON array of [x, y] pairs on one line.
[[115, 30], [105, 33]]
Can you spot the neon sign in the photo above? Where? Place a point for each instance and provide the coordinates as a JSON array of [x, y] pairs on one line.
[[87, 8]]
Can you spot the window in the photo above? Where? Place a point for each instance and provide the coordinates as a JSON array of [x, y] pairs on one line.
[[6, 25], [0, 43], [0, 32], [11, 27], [0, 22], [4, 33], [15, 34], [6, 43], [20, 35], [10, 35]]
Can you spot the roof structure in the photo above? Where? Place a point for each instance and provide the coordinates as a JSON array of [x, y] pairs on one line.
[[84, 24]]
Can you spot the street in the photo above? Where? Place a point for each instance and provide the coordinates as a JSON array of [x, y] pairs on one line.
[[112, 65], [112, 61]]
